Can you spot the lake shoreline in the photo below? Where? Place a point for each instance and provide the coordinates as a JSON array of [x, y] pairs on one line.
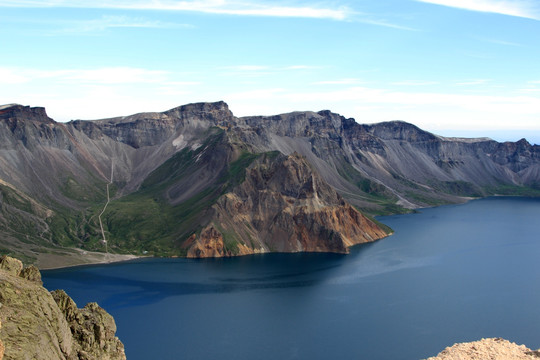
[[80, 258]]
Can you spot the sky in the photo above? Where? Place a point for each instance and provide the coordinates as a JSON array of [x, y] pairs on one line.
[[452, 67]]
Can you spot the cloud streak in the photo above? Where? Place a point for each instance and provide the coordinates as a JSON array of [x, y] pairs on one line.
[[384, 23], [473, 82], [347, 81], [106, 76], [222, 7], [107, 22], [500, 42], [415, 83], [520, 8]]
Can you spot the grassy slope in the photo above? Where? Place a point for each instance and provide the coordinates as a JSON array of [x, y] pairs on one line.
[[375, 193], [146, 222]]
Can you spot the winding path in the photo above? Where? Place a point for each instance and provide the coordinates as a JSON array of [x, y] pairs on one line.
[[105, 208]]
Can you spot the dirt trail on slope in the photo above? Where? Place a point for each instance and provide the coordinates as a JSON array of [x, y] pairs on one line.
[[105, 207]]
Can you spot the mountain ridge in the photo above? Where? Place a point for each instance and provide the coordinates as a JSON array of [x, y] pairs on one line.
[[168, 169]]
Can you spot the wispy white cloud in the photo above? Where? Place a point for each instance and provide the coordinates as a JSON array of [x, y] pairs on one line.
[[111, 22], [521, 8], [304, 9], [257, 94], [473, 82], [225, 7], [302, 67], [99, 25], [117, 75], [378, 22], [107, 75], [9, 77], [348, 81], [531, 87], [263, 70], [248, 68], [500, 42], [414, 83]]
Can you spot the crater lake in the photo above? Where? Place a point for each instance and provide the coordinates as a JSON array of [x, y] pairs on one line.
[[449, 274]]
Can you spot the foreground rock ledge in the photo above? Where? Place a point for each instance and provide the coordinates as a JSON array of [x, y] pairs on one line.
[[492, 348], [37, 324]]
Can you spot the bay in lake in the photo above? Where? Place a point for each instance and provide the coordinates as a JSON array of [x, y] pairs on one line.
[[449, 274]]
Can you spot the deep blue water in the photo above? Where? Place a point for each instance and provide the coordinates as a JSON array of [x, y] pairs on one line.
[[449, 274]]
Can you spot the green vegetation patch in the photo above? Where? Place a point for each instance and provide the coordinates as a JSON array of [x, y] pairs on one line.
[[371, 191], [230, 238], [513, 190], [387, 229], [425, 198], [66, 227], [236, 173], [11, 197], [459, 188], [82, 192]]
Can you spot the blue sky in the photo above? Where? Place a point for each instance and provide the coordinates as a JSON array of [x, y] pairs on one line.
[[452, 67]]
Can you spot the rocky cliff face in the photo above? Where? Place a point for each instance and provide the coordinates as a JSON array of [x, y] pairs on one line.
[[36, 324], [282, 205], [408, 166], [171, 174]]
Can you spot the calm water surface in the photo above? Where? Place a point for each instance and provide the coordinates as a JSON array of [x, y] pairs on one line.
[[449, 274]]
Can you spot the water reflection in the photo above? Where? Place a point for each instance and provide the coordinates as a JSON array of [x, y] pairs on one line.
[[180, 277]]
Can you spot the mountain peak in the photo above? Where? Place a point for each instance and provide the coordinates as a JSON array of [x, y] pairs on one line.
[[24, 113], [202, 106], [400, 130], [7, 106], [217, 112]]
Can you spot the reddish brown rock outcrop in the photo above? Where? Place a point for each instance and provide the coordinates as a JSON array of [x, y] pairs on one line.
[[208, 244], [284, 206]]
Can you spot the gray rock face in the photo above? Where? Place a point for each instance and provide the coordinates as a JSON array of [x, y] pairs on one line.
[[92, 328], [410, 163]]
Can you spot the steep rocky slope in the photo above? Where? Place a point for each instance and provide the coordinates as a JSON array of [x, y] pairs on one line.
[[172, 174], [493, 349], [282, 205], [407, 166], [36, 324]]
